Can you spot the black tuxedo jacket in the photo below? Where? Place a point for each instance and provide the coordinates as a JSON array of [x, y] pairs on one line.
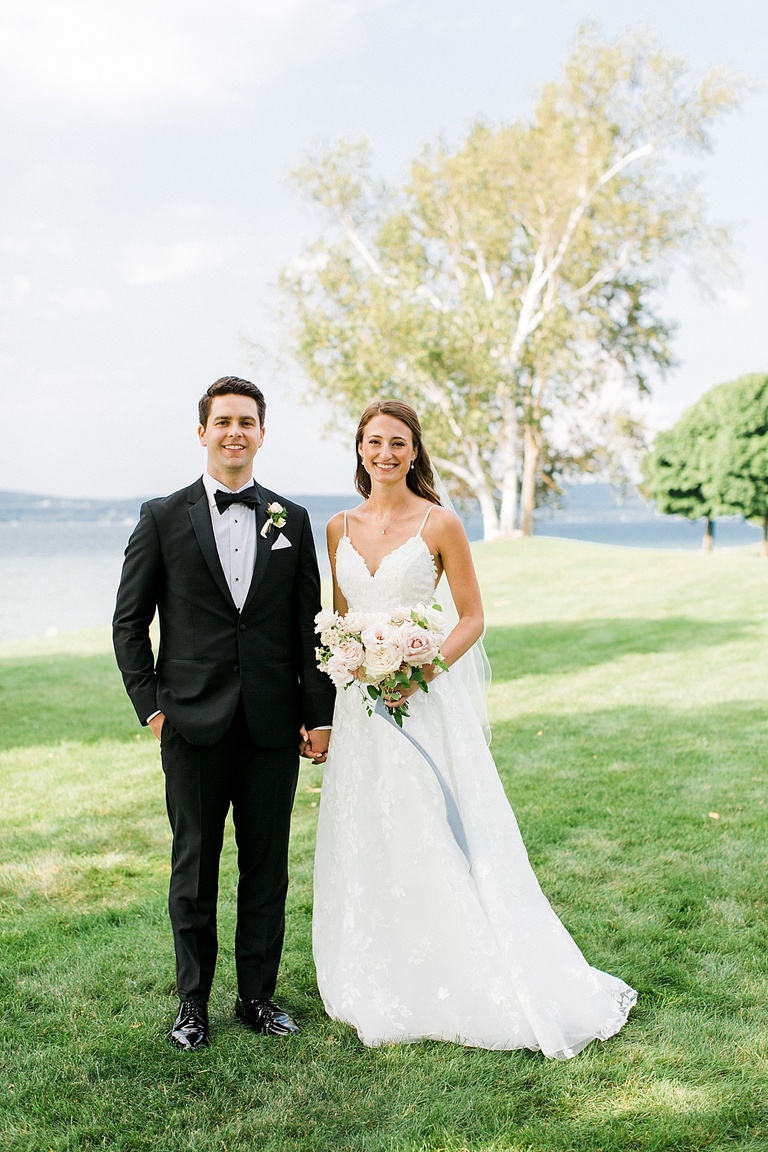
[[210, 654]]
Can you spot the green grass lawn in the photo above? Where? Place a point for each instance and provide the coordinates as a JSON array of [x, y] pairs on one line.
[[631, 732]]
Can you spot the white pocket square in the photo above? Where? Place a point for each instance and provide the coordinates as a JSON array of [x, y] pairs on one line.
[[281, 542]]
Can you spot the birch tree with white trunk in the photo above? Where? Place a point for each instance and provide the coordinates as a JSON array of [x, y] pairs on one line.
[[510, 281]]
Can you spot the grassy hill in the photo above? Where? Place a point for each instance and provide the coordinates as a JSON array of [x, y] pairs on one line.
[[630, 729]]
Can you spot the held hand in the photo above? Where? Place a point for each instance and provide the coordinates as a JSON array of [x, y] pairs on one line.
[[315, 747], [156, 724], [429, 672]]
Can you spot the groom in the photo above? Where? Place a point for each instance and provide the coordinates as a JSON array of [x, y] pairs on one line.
[[230, 568]]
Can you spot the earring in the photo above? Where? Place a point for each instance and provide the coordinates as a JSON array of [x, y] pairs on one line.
[[413, 464]]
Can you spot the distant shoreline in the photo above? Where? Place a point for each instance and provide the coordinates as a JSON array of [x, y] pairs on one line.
[[60, 559]]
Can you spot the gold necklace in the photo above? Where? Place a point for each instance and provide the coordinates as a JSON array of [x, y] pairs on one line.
[[391, 522]]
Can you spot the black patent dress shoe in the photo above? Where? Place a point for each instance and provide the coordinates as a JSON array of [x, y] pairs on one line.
[[190, 1028], [266, 1017]]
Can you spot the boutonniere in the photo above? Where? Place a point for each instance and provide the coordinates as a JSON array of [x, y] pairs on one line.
[[276, 515]]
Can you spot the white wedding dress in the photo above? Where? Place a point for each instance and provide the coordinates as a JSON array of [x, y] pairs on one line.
[[408, 943]]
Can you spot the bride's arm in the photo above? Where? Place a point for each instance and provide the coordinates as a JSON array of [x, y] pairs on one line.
[[448, 541], [333, 533], [455, 555]]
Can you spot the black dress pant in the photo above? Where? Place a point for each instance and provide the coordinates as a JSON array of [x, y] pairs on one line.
[[201, 783]]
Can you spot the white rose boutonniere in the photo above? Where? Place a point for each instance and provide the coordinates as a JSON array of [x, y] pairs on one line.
[[276, 515]]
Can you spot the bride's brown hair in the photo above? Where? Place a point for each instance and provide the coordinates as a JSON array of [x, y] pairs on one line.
[[420, 478]]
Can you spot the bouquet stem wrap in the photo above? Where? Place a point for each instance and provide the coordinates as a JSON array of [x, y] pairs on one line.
[[451, 807]]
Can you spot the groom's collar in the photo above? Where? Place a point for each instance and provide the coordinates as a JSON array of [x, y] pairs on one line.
[[212, 486]]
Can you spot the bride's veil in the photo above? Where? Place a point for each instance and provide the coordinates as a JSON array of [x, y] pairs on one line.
[[473, 667]]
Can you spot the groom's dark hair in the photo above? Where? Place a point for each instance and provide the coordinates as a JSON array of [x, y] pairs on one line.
[[231, 386]]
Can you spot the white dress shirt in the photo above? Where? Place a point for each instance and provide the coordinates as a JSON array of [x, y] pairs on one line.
[[234, 530]]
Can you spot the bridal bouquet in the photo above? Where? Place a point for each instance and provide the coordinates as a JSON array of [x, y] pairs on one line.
[[380, 652]]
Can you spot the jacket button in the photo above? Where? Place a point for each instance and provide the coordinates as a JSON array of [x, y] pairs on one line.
[[242, 627], [236, 668]]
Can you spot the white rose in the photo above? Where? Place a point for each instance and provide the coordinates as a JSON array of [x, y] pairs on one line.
[[356, 621], [380, 632], [429, 617], [277, 514], [381, 660], [435, 618], [325, 619]]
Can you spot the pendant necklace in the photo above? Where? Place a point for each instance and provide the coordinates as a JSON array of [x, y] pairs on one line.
[[391, 522]]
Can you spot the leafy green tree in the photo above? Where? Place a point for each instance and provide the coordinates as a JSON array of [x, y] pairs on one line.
[[677, 471], [714, 462], [508, 288]]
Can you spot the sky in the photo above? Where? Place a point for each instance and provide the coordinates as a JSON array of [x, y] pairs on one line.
[[146, 210]]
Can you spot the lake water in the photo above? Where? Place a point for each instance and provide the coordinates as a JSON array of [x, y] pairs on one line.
[[60, 560]]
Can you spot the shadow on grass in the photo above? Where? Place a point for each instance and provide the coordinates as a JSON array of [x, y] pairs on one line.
[[47, 699], [542, 648]]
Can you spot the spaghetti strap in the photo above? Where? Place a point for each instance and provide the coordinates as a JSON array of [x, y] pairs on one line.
[[425, 520], [345, 521]]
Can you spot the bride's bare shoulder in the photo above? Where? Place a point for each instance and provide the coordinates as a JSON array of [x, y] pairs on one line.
[[335, 527], [445, 519]]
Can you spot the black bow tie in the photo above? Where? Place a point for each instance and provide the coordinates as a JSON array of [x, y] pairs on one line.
[[249, 497]]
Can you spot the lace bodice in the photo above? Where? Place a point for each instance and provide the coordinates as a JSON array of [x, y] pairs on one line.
[[405, 576]]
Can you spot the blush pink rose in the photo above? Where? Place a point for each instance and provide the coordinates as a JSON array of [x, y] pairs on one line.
[[351, 652], [418, 646], [338, 670]]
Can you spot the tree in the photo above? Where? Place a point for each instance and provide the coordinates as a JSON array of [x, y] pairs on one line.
[[714, 462], [676, 472], [741, 450], [508, 287]]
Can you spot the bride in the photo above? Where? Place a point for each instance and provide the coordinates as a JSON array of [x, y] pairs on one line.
[[416, 935]]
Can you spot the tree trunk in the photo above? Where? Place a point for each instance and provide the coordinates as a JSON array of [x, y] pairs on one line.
[[508, 512], [491, 530], [472, 476], [708, 542], [764, 545], [528, 487], [509, 459]]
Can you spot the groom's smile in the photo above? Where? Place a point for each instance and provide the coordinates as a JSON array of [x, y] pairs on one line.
[[232, 437]]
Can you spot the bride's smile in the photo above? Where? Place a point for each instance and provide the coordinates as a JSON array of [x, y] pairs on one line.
[[387, 449]]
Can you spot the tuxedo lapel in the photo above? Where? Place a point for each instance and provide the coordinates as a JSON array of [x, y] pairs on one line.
[[200, 515], [263, 547]]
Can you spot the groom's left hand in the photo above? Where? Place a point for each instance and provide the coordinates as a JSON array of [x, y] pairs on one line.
[[314, 744]]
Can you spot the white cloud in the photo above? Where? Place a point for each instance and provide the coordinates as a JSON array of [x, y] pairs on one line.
[[83, 300], [413, 17], [145, 264], [15, 290], [734, 299], [129, 57]]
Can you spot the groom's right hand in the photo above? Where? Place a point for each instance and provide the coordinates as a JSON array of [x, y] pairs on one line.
[[156, 724]]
